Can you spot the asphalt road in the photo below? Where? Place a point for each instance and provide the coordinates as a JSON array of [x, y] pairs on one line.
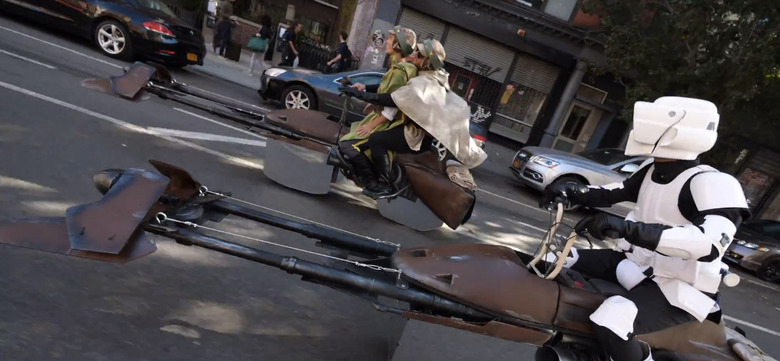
[[185, 303]]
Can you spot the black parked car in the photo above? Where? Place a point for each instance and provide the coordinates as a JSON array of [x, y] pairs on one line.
[[756, 247], [123, 29]]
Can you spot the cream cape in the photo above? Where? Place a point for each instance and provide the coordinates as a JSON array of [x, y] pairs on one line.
[[428, 101]]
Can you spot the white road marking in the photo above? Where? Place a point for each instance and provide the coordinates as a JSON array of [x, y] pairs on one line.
[[220, 123], [519, 203], [757, 327], [216, 153], [181, 331], [509, 200], [9, 182], [131, 127], [60, 47], [759, 283], [228, 98], [206, 136], [27, 59], [532, 227]]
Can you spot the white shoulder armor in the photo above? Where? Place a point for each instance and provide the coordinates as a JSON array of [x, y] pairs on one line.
[[713, 190]]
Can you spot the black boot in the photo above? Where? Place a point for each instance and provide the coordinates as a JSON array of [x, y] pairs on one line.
[[383, 188], [364, 171]]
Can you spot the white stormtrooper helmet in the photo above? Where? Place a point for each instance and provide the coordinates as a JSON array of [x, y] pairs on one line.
[[673, 127]]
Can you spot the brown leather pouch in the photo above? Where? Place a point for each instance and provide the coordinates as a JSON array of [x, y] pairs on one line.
[[452, 203]]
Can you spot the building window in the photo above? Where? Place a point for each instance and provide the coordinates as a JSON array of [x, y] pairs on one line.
[[518, 110], [561, 9], [590, 93], [536, 4], [575, 122]]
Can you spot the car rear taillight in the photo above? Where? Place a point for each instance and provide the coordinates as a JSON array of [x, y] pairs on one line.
[[479, 140], [157, 27]]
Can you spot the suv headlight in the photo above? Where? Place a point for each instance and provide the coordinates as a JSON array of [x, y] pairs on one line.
[[751, 245], [545, 162]]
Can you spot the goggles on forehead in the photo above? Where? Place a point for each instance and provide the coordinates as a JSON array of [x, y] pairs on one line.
[[429, 53], [400, 37]]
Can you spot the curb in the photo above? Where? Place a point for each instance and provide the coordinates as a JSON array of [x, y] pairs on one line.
[[213, 75]]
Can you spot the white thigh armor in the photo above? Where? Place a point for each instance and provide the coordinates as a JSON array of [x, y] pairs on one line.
[[616, 313], [629, 274]]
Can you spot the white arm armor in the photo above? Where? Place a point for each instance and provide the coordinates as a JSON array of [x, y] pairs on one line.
[[710, 191], [690, 242]]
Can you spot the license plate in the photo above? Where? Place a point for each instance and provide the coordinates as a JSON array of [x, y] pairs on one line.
[[192, 57]]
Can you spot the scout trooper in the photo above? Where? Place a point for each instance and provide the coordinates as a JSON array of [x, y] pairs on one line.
[[669, 247]]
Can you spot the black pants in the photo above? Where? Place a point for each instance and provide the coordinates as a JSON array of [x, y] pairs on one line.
[[382, 141], [350, 150], [654, 312], [288, 57], [394, 139], [223, 43]]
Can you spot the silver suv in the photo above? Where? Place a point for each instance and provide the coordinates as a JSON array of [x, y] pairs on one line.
[[539, 167]]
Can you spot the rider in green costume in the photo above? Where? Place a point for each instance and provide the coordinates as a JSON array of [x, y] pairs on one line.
[[353, 145]]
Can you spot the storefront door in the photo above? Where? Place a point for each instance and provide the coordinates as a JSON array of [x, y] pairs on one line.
[[578, 127], [463, 83]]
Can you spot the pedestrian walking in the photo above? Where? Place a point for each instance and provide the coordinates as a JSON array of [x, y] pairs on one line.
[[343, 55], [289, 52], [259, 44], [224, 34]]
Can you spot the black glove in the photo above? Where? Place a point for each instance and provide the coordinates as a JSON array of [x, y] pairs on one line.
[[357, 94], [345, 89], [569, 194], [640, 234]]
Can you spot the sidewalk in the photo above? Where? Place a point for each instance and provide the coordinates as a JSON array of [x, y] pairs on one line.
[[232, 71]]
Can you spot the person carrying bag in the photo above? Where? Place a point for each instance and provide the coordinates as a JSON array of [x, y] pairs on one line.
[[258, 44]]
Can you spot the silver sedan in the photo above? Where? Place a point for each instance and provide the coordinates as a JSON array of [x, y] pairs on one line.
[[539, 167]]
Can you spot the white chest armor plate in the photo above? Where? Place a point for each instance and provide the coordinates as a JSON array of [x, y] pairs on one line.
[[657, 203]]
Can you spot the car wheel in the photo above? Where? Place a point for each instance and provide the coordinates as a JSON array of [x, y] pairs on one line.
[[769, 270], [299, 97], [113, 39], [571, 180]]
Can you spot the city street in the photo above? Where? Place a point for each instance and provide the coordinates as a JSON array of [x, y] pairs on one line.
[[186, 303]]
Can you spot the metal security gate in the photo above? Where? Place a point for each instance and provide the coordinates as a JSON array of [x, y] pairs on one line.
[[426, 27], [535, 73], [523, 98], [478, 54], [759, 177]]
